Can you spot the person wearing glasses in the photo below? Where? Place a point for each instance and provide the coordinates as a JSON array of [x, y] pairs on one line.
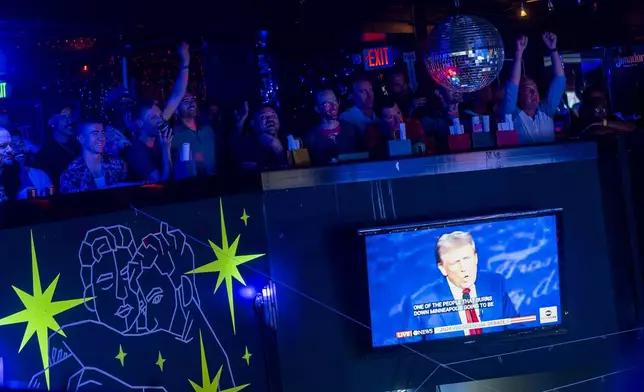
[[16, 178], [332, 136]]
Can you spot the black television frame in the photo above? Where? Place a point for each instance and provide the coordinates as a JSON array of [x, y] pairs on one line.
[[483, 339]]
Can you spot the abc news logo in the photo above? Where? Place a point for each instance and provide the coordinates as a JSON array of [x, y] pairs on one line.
[[548, 315], [414, 333]]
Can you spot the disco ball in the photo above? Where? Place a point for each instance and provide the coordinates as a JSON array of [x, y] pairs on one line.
[[465, 53]]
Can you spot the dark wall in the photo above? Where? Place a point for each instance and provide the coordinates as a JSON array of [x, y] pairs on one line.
[[132, 259], [232, 72], [313, 250]]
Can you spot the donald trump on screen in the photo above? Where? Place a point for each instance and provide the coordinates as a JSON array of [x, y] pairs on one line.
[[457, 260]]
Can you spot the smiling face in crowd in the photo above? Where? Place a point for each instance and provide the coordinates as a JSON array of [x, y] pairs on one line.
[[92, 137], [327, 105], [188, 106], [6, 148], [528, 94], [267, 121], [19, 147]]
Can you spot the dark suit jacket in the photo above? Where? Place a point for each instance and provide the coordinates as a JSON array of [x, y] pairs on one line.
[[487, 284]]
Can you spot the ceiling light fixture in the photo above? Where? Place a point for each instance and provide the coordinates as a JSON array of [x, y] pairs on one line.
[[522, 12]]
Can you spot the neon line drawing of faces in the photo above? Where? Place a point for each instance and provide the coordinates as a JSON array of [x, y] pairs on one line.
[[106, 269], [138, 289], [163, 292]]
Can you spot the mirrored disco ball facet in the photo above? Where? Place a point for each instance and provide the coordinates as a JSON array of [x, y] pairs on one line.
[[465, 53]]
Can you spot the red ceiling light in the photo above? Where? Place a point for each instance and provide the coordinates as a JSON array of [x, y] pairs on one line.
[[374, 37]]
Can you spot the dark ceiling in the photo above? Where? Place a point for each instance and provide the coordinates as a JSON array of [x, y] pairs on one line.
[[614, 21]]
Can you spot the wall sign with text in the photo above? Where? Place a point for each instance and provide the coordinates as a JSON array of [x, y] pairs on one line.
[[378, 58], [4, 90]]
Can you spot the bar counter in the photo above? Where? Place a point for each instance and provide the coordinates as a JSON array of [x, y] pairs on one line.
[[431, 165], [304, 222], [63, 207]]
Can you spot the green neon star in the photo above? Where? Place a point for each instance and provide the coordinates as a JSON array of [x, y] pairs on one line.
[[206, 384], [39, 312], [226, 264]]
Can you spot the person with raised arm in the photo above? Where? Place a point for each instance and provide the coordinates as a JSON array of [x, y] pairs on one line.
[[150, 157], [533, 118], [189, 130]]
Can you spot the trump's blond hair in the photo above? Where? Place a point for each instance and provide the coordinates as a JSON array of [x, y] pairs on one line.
[[455, 239]]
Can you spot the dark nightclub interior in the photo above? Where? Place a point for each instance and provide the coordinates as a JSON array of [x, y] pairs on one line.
[[308, 195]]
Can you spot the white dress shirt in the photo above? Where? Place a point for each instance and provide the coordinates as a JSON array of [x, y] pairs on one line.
[[457, 292], [540, 129], [355, 116]]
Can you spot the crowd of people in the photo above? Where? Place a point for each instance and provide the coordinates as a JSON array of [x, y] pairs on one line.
[[153, 143]]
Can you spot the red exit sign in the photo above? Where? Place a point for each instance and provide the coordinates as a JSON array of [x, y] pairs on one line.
[[377, 58]]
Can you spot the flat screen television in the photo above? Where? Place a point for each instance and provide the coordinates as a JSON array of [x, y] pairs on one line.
[[471, 279]]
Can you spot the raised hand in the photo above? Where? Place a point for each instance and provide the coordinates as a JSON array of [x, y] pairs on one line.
[[522, 43], [242, 115], [550, 39], [165, 137], [184, 53]]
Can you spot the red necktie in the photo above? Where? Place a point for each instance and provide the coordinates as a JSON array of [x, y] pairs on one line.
[[470, 314]]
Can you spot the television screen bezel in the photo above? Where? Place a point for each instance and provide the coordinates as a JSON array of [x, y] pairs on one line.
[[484, 339]]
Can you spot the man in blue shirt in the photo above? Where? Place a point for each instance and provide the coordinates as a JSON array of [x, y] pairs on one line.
[[533, 118]]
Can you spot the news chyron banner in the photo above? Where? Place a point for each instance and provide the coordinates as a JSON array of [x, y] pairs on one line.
[[462, 307], [471, 279]]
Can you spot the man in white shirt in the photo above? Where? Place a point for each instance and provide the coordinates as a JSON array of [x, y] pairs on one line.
[[533, 118], [361, 114]]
